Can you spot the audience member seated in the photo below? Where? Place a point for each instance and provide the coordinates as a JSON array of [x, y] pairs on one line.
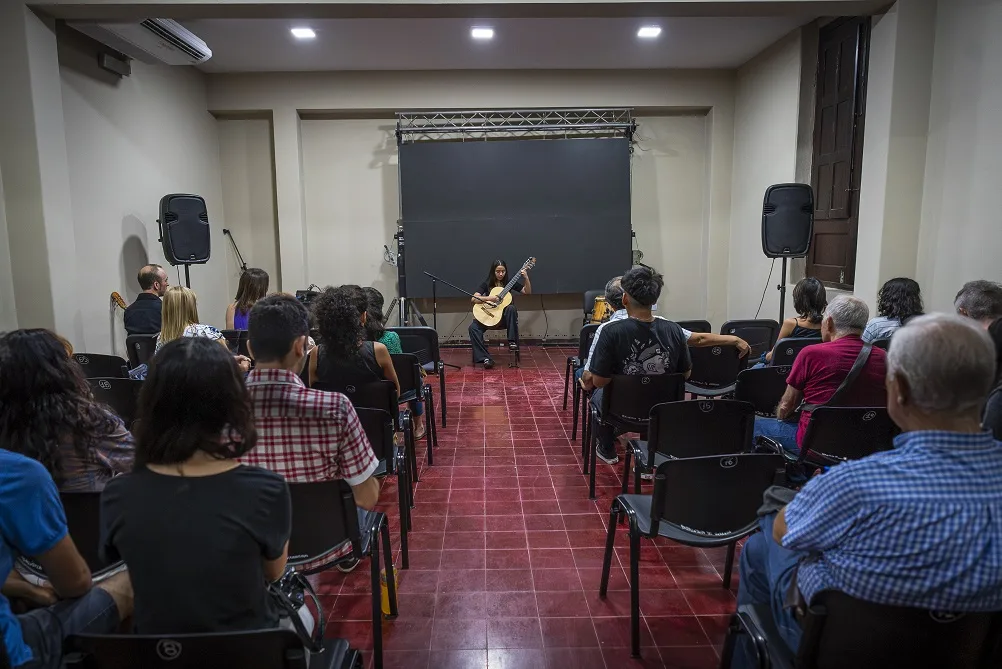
[[638, 344], [917, 526], [980, 300], [252, 287], [305, 435], [180, 319], [143, 315], [48, 414], [809, 301], [821, 368], [201, 534], [992, 419], [898, 301], [33, 523], [375, 329]]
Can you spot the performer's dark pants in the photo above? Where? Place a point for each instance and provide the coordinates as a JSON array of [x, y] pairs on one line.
[[509, 318]]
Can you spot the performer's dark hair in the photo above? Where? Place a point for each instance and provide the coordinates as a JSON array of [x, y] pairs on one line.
[[491, 280]]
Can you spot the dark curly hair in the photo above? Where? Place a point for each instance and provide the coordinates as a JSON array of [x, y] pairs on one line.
[[900, 299], [375, 328], [46, 403], [193, 399], [643, 285], [339, 318], [810, 299]]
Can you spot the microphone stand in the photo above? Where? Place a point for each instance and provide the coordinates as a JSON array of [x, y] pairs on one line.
[[243, 265], [434, 300]]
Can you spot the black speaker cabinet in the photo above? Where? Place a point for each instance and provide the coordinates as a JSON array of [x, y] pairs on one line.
[[184, 229], [787, 220]]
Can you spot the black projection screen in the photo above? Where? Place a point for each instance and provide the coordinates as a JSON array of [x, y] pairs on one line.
[[565, 201]]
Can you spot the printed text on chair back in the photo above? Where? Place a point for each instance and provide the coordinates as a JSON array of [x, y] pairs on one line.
[[787, 349], [848, 433], [715, 366], [689, 429]]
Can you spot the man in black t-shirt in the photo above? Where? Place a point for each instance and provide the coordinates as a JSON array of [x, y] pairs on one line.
[[639, 345]]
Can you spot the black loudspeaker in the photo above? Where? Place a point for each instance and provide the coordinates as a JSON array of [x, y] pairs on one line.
[[184, 229], [787, 220]]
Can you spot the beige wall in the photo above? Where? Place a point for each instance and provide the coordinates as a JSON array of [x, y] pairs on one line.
[[766, 113], [8, 314], [129, 142]]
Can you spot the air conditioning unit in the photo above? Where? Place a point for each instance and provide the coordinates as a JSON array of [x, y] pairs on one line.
[[151, 40]]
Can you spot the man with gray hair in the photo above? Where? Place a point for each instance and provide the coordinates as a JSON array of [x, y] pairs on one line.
[[980, 300], [820, 369], [916, 526]]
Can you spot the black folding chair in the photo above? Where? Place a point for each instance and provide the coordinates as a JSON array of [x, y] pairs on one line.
[[423, 342], [122, 395], [100, 366], [839, 434], [413, 387], [585, 338], [325, 519], [762, 387], [589, 302], [688, 430], [83, 519], [378, 426], [840, 631], [786, 350], [760, 333], [237, 341], [704, 502], [884, 343], [627, 401], [265, 649], [714, 370], [695, 326], [140, 349]]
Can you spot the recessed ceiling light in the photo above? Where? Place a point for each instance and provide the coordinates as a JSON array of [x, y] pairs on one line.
[[303, 33], [649, 32], [482, 33]]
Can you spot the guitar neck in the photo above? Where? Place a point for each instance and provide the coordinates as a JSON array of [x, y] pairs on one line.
[[508, 287]]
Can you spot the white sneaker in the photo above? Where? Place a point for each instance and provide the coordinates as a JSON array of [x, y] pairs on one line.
[[609, 460]]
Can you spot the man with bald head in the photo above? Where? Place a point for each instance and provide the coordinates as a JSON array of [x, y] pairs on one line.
[[916, 526], [143, 315]]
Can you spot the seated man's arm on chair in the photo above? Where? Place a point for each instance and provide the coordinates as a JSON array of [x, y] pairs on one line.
[[823, 513], [701, 339], [795, 384], [788, 403], [355, 457]]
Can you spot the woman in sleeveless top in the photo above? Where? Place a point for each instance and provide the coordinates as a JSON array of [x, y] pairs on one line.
[[810, 300], [252, 287]]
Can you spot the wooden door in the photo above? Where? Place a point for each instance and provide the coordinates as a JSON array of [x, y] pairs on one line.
[[838, 149]]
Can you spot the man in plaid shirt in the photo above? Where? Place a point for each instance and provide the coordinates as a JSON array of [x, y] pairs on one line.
[[303, 434], [917, 526]]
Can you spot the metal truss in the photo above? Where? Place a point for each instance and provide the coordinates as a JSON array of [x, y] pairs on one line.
[[438, 126]]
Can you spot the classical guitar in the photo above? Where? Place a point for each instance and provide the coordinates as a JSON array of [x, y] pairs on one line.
[[489, 314]]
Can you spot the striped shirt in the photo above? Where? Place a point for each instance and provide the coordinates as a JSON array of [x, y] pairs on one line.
[[919, 526]]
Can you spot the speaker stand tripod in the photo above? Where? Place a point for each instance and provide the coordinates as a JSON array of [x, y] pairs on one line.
[[782, 293]]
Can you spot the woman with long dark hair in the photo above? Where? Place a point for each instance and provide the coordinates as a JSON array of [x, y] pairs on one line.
[[497, 277], [809, 301], [375, 329], [202, 534], [47, 413], [898, 301], [252, 287]]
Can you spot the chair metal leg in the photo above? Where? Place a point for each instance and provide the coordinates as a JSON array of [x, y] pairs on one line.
[[377, 611], [593, 444], [637, 476], [441, 385], [730, 642], [575, 392], [627, 457], [429, 427], [403, 502], [603, 587], [729, 565], [634, 589], [567, 381], [409, 445], [391, 583]]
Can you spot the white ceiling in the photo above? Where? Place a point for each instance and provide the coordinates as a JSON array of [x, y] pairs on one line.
[[259, 45]]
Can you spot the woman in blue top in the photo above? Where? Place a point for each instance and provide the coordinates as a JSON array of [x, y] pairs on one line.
[[252, 287]]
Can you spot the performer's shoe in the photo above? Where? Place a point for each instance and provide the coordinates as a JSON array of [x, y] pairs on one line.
[[488, 363]]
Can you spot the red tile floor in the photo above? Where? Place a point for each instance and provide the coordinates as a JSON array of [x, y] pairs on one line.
[[506, 548]]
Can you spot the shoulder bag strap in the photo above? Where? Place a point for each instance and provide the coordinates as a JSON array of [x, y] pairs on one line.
[[857, 368]]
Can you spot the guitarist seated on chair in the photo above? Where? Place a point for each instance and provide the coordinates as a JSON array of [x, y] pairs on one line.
[[497, 279]]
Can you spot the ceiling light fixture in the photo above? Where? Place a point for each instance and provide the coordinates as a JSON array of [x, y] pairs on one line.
[[482, 33], [303, 33], [649, 32]]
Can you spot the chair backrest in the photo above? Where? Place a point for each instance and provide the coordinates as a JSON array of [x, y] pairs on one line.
[[122, 395], [628, 399], [585, 339], [715, 366], [140, 348], [786, 350], [408, 369], [762, 387], [237, 341], [842, 631], [884, 343], [707, 427], [324, 516], [760, 333], [695, 326], [374, 395], [83, 519], [836, 434], [589, 300], [98, 365], [274, 648], [421, 341], [715, 496], [378, 426]]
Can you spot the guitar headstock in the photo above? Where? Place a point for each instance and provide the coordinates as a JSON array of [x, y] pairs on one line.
[[529, 264]]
